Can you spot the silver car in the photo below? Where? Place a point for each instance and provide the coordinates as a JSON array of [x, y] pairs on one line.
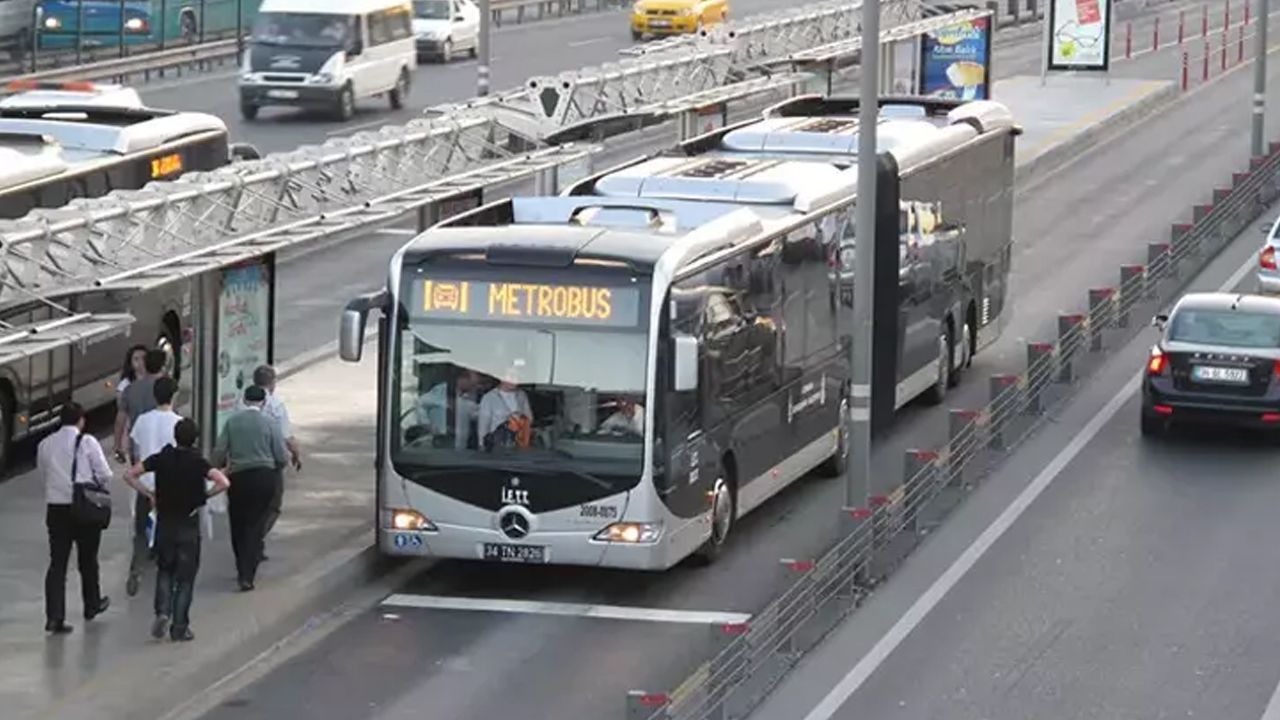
[[1269, 260]]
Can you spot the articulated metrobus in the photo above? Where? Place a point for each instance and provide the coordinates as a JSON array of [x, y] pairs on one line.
[[614, 376]]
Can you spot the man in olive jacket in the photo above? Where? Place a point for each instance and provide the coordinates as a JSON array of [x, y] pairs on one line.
[[252, 450]]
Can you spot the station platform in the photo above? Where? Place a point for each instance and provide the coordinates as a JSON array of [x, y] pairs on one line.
[[320, 550]]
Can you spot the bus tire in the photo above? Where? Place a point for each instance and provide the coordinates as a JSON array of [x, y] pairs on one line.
[[937, 392], [248, 111], [837, 464], [400, 91], [636, 36], [6, 425], [724, 511], [346, 106]]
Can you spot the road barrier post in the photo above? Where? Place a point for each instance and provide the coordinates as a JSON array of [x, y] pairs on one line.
[[918, 469], [1185, 77], [1226, 15], [1133, 285], [1204, 21], [1100, 302], [1159, 263], [1068, 327], [1182, 25], [643, 705], [1224, 50], [1155, 36], [1002, 399], [1207, 52], [1039, 370], [1128, 41], [1240, 46], [962, 432]]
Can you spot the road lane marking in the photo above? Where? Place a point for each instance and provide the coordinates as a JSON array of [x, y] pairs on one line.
[[405, 232], [589, 41], [536, 607], [862, 671]]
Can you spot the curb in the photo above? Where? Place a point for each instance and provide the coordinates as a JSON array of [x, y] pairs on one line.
[[1059, 154]]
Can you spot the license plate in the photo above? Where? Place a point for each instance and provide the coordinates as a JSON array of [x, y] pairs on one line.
[[515, 553], [283, 94], [1208, 373], [660, 23]]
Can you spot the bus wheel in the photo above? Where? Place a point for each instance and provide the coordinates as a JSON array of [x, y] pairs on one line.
[[6, 426], [836, 465], [723, 510], [248, 111], [400, 91], [938, 391], [960, 355]]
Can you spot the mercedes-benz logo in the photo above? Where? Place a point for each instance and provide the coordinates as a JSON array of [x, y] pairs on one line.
[[514, 525]]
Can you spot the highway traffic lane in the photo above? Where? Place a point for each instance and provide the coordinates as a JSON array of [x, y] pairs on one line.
[[1138, 583]]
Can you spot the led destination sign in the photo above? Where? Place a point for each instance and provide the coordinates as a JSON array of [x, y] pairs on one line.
[[530, 302]]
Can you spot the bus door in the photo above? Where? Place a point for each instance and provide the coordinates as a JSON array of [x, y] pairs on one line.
[[48, 373]]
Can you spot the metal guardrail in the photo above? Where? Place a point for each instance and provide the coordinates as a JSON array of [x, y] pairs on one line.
[[751, 658]]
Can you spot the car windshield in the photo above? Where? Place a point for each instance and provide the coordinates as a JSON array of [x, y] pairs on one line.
[[1227, 328], [431, 9], [473, 396], [302, 30]]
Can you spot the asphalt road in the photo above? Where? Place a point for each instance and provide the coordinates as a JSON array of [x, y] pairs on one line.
[[395, 662], [1139, 584]]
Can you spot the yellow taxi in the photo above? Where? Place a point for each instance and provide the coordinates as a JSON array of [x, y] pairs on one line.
[[672, 17]]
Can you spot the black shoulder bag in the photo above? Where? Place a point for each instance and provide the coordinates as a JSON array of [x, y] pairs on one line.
[[90, 502]]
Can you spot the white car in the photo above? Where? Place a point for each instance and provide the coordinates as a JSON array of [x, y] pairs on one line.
[[43, 94], [1268, 259], [444, 27]]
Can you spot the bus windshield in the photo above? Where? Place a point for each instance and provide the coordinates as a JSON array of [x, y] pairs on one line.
[[559, 394], [318, 30]]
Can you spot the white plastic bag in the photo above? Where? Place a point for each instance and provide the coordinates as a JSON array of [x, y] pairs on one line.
[[151, 529]]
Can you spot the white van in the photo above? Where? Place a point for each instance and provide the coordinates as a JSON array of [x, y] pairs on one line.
[[326, 54], [443, 27]]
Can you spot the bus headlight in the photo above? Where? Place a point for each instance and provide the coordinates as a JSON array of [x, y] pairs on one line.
[[631, 533], [401, 519], [52, 23], [135, 24]]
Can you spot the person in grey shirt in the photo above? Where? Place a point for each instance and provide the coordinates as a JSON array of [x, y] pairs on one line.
[[137, 399], [252, 450], [265, 377]]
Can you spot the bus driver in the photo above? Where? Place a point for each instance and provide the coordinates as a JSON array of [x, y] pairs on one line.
[[506, 418]]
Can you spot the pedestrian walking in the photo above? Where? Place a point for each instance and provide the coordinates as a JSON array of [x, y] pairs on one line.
[[253, 451], [184, 480], [66, 458], [274, 408], [133, 368], [137, 399]]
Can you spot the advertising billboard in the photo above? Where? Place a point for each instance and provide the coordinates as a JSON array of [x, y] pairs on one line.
[[245, 306], [1079, 35], [955, 61]]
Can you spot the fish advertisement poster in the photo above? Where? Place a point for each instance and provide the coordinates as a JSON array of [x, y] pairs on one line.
[[955, 61], [244, 332], [1079, 35]]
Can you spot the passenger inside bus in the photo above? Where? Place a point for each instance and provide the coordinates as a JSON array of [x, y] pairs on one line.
[[506, 418]]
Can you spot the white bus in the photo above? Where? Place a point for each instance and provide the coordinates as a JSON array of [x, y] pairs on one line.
[[614, 376]]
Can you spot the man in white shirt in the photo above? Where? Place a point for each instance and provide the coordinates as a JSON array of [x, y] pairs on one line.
[[628, 418], [433, 409], [153, 429], [56, 455], [499, 404]]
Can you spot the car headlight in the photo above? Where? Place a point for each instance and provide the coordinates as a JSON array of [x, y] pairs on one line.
[[637, 9], [687, 12], [52, 23], [135, 24], [631, 533]]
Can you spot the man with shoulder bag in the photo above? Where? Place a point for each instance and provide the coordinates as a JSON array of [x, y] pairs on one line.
[[76, 475]]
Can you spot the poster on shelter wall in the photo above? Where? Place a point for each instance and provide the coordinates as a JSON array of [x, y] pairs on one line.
[[1079, 35], [955, 61], [244, 333]]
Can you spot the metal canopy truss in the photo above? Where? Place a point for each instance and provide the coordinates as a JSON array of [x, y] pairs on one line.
[[849, 49], [21, 342], [51, 250], [777, 33], [549, 168]]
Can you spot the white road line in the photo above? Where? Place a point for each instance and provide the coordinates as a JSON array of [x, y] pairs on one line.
[[396, 231], [851, 682], [534, 607], [590, 41]]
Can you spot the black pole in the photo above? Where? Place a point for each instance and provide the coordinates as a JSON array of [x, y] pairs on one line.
[[164, 29], [37, 16], [79, 28], [239, 30], [122, 28], [200, 30]]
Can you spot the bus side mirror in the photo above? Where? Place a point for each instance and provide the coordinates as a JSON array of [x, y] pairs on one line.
[[351, 334], [686, 363], [1158, 322]]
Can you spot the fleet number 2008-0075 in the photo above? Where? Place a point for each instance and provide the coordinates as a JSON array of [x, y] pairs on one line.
[[604, 512]]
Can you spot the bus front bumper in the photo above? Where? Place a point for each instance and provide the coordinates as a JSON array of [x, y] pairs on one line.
[[557, 548]]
